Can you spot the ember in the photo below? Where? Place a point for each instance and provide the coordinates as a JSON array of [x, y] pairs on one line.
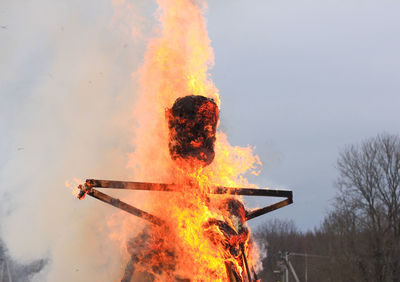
[[192, 122]]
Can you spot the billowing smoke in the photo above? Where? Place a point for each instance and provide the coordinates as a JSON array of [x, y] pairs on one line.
[[66, 102]]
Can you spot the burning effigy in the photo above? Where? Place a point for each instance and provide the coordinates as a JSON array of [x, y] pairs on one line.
[[197, 219], [221, 236]]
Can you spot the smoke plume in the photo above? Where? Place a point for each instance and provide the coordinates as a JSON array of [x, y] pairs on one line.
[[66, 103]]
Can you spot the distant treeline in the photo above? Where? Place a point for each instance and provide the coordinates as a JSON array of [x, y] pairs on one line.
[[359, 239]]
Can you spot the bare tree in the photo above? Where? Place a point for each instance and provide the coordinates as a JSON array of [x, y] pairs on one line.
[[366, 218]]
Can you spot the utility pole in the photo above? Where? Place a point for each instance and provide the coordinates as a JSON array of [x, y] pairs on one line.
[[285, 265], [290, 266], [283, 271]]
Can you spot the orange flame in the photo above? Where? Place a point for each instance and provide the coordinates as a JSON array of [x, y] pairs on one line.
[[176, 65]]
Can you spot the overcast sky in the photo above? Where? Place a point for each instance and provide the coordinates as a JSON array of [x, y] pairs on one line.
[[298, 79], [302, 79]]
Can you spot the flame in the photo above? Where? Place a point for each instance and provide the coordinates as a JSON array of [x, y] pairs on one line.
[[74, 186], [176, 64]]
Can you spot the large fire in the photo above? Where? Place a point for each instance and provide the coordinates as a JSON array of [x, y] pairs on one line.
[[202, 237], [194, 244]]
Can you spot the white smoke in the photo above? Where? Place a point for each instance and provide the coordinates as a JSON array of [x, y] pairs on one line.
[[67, 93]]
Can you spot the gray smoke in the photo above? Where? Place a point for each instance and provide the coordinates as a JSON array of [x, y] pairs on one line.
[[67, 92]]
